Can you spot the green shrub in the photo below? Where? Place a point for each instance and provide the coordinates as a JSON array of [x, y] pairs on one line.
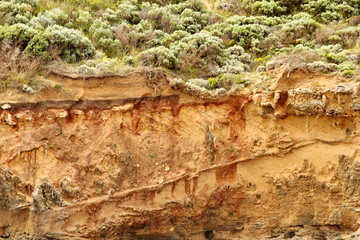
[[200, 51], [227, 80], [96, 67], [136, 36], [12, 12], [111, 47], [161, 18], [83, 19], [238, 62], [177, 35], [57, 15], [192, 21], [72, 44], [346, 66], [102, 35], [129, 12], [100, 29], [41, 22], [158, 57], [268, 8], [262, 20], [156, 39], [347, 37], [213, 82], [200, 83], [300, 26], [37, 46], [49, 18], [18, 32]]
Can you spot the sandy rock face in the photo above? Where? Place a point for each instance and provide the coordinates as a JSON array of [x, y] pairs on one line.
[[108, 161], [11, 188]]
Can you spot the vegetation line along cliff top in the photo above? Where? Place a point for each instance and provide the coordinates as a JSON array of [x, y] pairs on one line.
[[205, 46]]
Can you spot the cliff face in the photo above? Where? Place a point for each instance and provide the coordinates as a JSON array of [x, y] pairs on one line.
[[125, 158]]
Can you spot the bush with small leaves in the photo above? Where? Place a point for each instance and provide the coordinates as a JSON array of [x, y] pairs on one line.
[[157, 37], [318, 7], [158, 57], [41, 22], [49, 18], [200, 51], [37, 46], [228, 80], [184, 36], [57, 15], [321, 66], [102, 35], [100, 29], [192, 21], [336, 54], [348, 65], [268, 8], [203, 83], [262, 20], [331, 10], [245, 35], [195, 89], [291, 5], [248, 32], [325, 59], [137, 36], [111, 47], [110, 15], [195, 5], [300, 26], [238, 62], [13, 11], [226, 7], [72, 44], [130, 12], [83, 19], [160, 18], [177, 35], [347, 36], [18, 32]]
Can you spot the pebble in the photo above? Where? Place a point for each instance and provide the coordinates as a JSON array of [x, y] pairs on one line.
[[6, 106]]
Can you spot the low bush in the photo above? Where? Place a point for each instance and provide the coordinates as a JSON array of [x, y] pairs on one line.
[[158, 57], [201, 51], [72, 45]]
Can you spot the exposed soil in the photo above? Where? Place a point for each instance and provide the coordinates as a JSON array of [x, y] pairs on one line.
[[115, 158]]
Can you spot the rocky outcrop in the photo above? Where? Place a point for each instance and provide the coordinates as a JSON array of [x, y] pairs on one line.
[[46, 196], [12, 190], [108, 160]]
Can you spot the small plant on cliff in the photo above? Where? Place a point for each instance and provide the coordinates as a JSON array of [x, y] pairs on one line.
[[58, 87], [229, 149]]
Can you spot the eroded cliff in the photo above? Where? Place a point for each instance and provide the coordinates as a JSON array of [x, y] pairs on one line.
[[129, 157]]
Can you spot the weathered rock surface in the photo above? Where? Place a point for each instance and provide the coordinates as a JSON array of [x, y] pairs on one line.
[[109, 159]]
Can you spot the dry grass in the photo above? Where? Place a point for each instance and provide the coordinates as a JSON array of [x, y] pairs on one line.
[[15, 66], [122, 34], [14, 61]]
